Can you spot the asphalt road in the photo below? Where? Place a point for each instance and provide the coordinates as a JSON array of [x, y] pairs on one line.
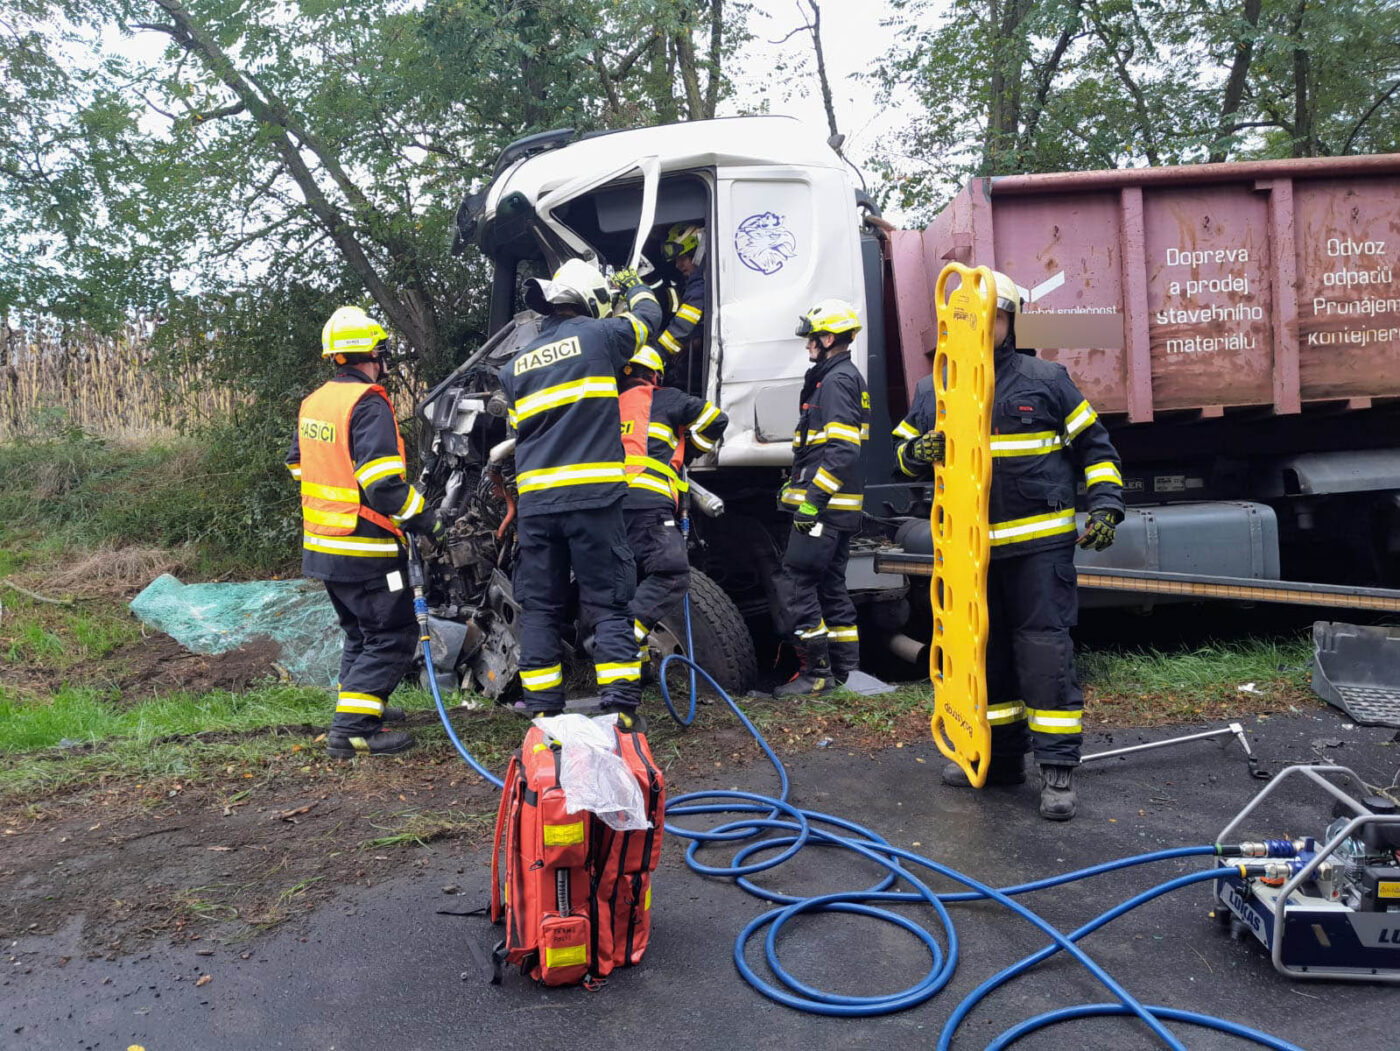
[[380, 968]]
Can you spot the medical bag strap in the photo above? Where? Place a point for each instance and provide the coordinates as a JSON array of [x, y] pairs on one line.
[[508, 795]]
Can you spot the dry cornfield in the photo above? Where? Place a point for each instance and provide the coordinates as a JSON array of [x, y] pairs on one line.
[[53, 378]]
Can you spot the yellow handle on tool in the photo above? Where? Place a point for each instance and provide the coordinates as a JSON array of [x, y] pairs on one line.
[[963, 383]]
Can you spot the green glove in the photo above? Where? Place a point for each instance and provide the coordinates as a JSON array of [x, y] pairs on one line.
[[928, 447], [627, 279], [805, 518], [1100, 531]]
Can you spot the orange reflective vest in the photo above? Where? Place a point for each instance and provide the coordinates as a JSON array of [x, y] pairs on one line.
[[650, 461], [330, 494]]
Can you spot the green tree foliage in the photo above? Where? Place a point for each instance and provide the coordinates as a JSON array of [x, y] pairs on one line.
[[1006, 86]]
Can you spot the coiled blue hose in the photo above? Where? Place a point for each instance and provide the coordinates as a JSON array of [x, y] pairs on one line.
[[800, 828]]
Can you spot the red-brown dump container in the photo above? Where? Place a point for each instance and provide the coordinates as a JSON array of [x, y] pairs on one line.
[[1269, 283]]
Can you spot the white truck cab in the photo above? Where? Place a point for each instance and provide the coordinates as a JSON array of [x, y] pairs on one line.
[[782, 232]]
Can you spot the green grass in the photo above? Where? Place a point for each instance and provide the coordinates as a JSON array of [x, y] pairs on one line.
[[1218, 664], [57, 637]]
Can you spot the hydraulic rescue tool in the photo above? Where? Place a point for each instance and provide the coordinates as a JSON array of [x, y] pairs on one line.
[[1324, 908]]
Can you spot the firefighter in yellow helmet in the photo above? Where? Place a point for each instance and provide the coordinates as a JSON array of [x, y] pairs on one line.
[[1046, 438], [356, 504], [825, 493], [684, 299]]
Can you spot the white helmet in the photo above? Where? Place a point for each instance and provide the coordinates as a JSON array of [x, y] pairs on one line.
[[1008, 294], [576, 282]]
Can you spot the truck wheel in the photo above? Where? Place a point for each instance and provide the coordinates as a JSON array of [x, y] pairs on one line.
[[723, 645]]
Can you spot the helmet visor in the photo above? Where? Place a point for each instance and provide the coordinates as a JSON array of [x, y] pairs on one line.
[[671, 250], [804, 327], [1007, 304]]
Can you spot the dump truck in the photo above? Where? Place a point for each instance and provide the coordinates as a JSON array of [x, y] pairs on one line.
[[1237, 326]]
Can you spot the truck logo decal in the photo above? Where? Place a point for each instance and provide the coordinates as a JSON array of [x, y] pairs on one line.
[[764, 243]]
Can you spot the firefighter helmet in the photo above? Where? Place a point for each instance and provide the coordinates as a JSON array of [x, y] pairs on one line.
[[647, 358], [1008, 294], [684, 239], [577, 283], [830, 315], [351, 331]]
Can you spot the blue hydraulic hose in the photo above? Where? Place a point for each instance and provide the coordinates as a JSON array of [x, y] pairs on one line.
[[802, 827]]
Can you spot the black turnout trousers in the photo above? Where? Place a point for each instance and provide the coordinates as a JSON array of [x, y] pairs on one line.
[[380, 638], [663, 567]]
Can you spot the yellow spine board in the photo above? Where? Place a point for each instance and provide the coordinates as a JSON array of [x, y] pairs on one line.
[[963, 383]]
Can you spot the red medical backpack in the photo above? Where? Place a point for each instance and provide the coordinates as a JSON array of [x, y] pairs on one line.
[[576, 894]]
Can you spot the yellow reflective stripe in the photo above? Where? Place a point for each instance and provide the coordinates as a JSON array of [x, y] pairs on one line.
[[1056, 720], [374, 470], [812, 633], [295, 469], [575, 474], [329, 492], [669, 342], [705, 418], [639, 330], [689, 313], [701, 442], [511, 418], [813, 437], [564, 836], [1107, 471], [848, 633], [865, 432], [906, 430], [1035, 443], [336, 519], [847, 501], [359, 546], [655, 465], [542, 678], [1005, 712], [642, 480], [413, 503], [843, 432], [639, 631], [565, 955], [562, 394], [618, 671], [794, 496], [1032, 528], [912, 472], [1082, 416], [662, 433], [360, 703], [639, 293], [826, 481]]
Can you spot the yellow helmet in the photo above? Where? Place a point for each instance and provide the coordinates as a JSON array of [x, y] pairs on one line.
[[1008, 294], [648, 358], [830, 315], [351, 331], [684, 239]]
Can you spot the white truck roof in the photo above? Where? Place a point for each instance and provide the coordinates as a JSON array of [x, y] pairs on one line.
[[729, 142]]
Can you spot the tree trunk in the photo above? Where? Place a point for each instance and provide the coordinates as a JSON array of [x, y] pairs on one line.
[[1235, 83], [1304, 137]]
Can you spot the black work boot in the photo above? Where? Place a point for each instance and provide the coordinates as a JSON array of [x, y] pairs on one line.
[[347, 744], [1003, 770], [814, 675], [1057, 798]]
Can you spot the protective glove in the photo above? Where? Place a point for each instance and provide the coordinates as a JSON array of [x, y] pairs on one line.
[[429, 524], [928, 447], [627, 279], [1099, 532], [805, 517]]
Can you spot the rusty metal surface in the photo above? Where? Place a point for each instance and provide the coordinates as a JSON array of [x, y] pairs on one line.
[[1267, 285]]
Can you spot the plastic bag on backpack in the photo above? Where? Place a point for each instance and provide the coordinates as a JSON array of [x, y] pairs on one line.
[[594, 777]]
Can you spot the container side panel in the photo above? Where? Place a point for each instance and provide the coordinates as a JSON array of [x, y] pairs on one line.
[[1348, 293], [1209, 296], [1064, 251]]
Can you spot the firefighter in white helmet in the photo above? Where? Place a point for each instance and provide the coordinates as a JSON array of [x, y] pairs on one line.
[[356, 505], [1045, 439]]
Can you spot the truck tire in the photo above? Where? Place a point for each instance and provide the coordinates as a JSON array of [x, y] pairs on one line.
[[723, 645]]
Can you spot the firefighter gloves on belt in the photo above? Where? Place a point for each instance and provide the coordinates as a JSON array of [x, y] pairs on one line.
[[1100, 531], [805, 517]]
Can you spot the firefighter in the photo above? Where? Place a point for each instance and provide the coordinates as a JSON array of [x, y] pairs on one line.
[[563, 405], [825, 494], [661, 428], [684, 248], [356, 504], [1045, 436]]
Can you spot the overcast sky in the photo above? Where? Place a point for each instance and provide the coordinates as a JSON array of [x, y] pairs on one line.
[[852, 41]]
